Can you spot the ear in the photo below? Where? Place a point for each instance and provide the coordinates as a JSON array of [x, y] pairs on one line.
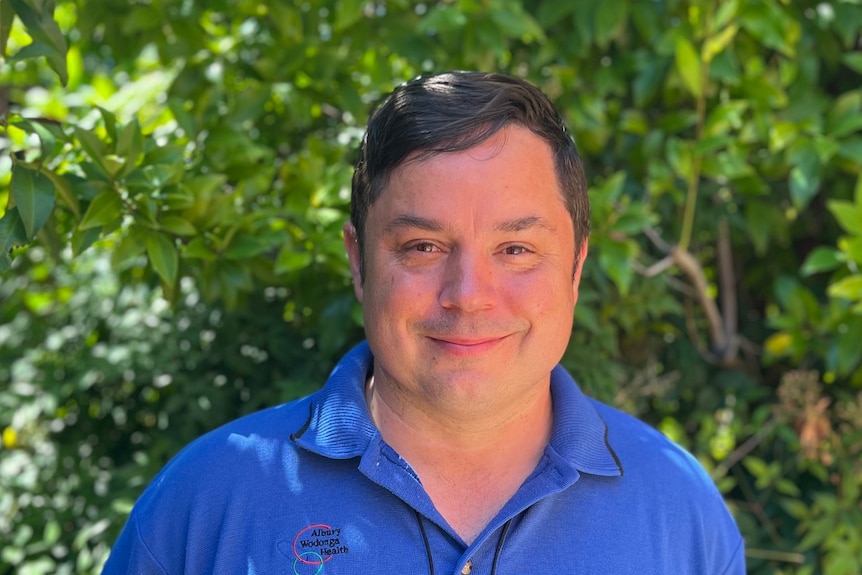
[[576, 278], [351, 246]]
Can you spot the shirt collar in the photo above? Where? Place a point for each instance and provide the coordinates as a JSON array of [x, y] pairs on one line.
[[339, 425]]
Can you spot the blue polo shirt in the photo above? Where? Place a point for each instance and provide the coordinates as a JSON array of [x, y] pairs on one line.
[[310, 488]]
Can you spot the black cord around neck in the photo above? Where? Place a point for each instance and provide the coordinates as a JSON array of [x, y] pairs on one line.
[[428, 544], [500, 547]]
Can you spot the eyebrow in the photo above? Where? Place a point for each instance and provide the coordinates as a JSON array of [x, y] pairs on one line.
[[406, 221], [409, 221], [522, 224]]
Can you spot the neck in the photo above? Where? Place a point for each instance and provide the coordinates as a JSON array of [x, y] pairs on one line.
[[519, 430], [470, 463]]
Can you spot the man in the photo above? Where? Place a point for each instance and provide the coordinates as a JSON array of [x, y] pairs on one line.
[[451, 442]]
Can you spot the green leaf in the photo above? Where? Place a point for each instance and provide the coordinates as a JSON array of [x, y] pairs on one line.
[[44, 30], [849, 288], [845, 115], [727, 11], [32, 50], [291, 260], [550, 13], [198, 249], [766, 21], [34, 197], [615, 259], [442, 18], [93, 146], [851, 248], [83, 239], [688, 66], [822, 259], [244, 246], [47, 136], [177, 225], [106, 209], [163, 256], [716, 44], [848, 214], [12, 232], [797, 509], [610, 14], [515, 22], [845, 352], [853, 60], [130, 146], [110, 121], [787, 487], [347, 13], [6, 18], [130, 246], [756, 466], [805, 174]]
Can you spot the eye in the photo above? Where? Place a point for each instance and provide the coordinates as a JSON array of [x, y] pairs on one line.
[[515, 250], [426, 247]]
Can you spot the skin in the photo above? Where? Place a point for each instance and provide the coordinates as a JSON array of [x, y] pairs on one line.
[[468, 299]]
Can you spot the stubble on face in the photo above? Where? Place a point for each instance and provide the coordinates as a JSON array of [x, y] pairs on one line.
[[429, 341]]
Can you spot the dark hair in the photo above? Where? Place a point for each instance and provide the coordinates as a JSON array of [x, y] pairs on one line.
[[455, 111]]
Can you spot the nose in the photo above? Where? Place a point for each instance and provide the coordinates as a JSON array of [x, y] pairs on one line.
[[468, 283]]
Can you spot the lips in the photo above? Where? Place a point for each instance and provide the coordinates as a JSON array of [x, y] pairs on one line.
[[466, 347]]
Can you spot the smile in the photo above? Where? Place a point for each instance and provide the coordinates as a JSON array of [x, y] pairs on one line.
[[466, 347]]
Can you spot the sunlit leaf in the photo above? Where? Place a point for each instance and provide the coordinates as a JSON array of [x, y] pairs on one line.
[[688, 66], [44, 30], [163, 256], [47, 136], [848, 214], [849, 288], [822, 259], [177, 225], [6, 18], [105, 210]]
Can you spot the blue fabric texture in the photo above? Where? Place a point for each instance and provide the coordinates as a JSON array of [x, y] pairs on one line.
[[310, 488]]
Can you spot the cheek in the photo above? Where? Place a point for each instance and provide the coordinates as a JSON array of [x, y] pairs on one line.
[[394, 294]]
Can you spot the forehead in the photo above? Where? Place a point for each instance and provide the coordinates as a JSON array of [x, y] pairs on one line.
[[511, 171]]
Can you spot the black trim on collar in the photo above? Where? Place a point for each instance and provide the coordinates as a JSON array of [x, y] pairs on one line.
[[611, 450], [301, 431]]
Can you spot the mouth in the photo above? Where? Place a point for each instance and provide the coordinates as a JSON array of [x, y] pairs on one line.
[[466, 346]]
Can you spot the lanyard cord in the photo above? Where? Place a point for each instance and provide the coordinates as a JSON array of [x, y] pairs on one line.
[[500, 547], [428, 544]]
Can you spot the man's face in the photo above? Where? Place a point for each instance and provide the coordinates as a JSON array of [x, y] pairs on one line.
[[468, 294]]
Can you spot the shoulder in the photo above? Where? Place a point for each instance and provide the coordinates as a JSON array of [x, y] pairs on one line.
[[667, 492], [232, 469], [654, 463], [227, 450]]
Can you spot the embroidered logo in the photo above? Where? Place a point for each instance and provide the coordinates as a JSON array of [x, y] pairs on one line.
[[313, 547]]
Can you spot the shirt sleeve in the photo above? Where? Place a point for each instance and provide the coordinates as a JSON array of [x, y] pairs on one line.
[[130, 555], [736, 566]]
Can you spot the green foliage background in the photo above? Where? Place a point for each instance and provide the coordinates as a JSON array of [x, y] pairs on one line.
[[174, 176]]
